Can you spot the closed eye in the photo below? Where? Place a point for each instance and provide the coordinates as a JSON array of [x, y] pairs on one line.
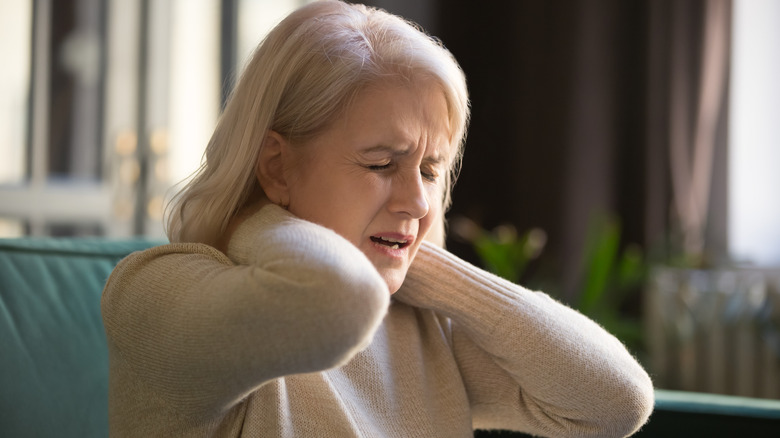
[[430, 170], [429, 176]]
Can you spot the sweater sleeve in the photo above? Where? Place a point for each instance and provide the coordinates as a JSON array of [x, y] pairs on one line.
[[203, 331], [528, 362]]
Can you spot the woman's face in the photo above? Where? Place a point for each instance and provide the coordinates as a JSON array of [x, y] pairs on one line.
[[376, 175]]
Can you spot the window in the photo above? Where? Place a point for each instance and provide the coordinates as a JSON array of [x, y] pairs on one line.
[[15, 27], [754, 131], [106, 104]]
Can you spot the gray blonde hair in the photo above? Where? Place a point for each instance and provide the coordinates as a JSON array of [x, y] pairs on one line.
[[301, 78]]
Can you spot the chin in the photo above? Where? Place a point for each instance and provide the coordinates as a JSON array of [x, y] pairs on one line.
[[393, 287], [394, 280]]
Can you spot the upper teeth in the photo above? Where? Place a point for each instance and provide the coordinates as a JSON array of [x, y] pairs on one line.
[[391, 243], [390, 239]]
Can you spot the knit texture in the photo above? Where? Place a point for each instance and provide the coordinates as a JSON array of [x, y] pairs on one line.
[[292, 333]]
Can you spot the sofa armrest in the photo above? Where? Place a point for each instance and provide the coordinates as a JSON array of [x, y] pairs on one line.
[[691, 414], [53, 353]]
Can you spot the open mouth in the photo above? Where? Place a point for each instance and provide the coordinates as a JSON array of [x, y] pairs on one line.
[[390, 242]]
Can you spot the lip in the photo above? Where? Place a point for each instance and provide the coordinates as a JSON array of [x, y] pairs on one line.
[[388, 250]]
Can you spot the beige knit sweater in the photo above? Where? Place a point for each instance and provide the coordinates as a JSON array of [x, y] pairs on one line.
[[293, 334]]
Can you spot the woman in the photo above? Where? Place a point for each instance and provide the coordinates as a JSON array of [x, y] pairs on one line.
[[270, 314]]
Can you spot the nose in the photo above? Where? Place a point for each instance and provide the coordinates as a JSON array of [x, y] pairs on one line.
[[409, 196]]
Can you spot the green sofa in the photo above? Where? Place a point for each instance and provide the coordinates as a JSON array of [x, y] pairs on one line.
[[53, 355], [54, 364]]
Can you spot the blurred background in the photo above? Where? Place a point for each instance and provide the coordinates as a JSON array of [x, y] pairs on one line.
[[623, 156]]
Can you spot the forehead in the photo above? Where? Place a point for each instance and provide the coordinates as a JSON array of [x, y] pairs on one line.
[[400, 113]]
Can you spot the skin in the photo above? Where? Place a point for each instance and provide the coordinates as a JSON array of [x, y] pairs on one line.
[[374, 176]]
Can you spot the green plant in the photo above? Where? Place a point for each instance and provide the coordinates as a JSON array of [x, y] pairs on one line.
[[502, 251], [611, 274]]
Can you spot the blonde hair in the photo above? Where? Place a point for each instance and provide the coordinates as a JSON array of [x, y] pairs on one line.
[[301, 78]]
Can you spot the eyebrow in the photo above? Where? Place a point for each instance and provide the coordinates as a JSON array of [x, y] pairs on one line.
[[385, 149], [437, 159]]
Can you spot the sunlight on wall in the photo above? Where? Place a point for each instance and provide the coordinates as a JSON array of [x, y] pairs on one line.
[[194, 82], [15, 30], [754, 161], [257, 17], [180, 93]]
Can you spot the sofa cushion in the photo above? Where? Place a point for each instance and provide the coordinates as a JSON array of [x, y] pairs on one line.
[[53, 356]]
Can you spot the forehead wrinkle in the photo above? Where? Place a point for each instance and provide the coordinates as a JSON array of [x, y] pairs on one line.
[[435, 160], [383, 148], [400, 151], [421, 126]]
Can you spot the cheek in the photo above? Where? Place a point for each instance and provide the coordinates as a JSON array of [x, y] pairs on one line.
[[343, 201], [312, 197], [432, 225], [435, 199], [434, 217]]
